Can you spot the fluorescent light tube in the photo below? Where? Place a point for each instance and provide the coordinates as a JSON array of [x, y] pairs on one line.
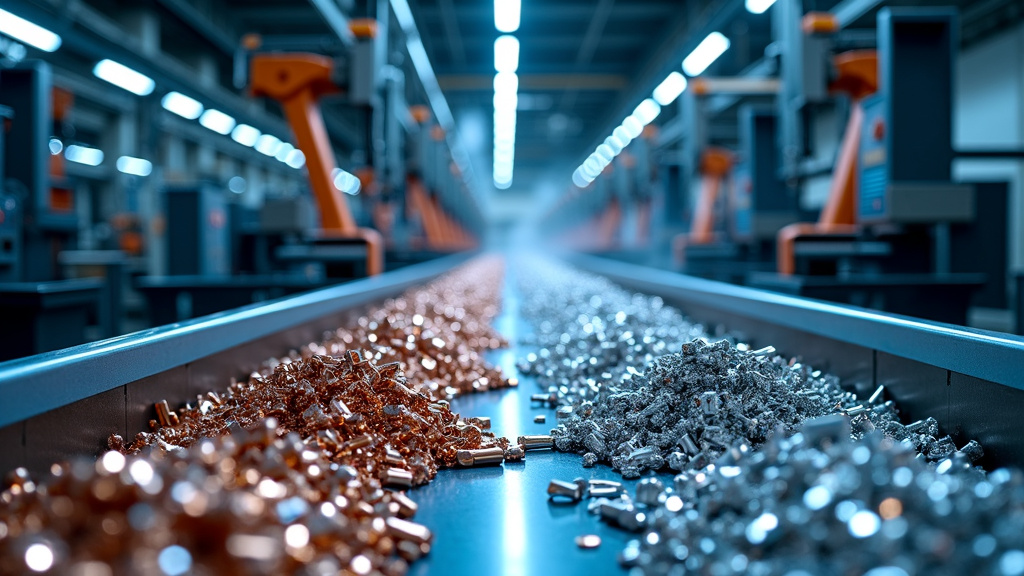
[[506, 54], [84, 155], [245, 135], [506, 15], [758, 6], [124, 77], [670, 89], [32, 34], [267, 144], [217, 121], [182, 105], [647, 111], [134, 166], [705, 53]]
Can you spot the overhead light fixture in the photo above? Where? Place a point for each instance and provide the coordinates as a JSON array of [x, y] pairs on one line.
[[605, 153], [267, 144], [283, 151], [245, 135], [755, 6], [182, 105], [134, 166], [632, 127], [670, 89], [217, 121], [506, 54], [705, 53], [346, 182], [38, 37], [124, 77], [505, 101], [622, 135], [84, 155], [614, 144], [55, 146], [579, 179], [506, 83], [296, 159], [647, 111], [506, 15]]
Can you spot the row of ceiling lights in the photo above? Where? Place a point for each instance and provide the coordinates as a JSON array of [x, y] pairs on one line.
[[506, 90], [709, 50], [189, 108]]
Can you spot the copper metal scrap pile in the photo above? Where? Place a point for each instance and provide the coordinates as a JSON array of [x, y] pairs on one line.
[[780, 471], [296, 470]]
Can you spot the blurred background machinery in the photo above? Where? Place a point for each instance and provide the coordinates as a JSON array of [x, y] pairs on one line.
[[170, 159]]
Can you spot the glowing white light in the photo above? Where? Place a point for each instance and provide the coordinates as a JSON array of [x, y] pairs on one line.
[[647, 111], [506, 82], [705, 53], [113, 462], [32, 34], [605, 153], [614, 143], [141, 472], [757, 531], [84, 155], [217, 121], [296, 536], [864, 524], [124, 77], [134, 166], [245, 135], [268, 145], [505, 101], [39, 557], [182, 105], [346, 182], [622, 135], [758, 6], [817, 497], [283, 151], [506, 54], [670, 89], [55, 146], [506, 15], [632, 126], [579, 179], [296, 159], [593, 166], [174, 561]]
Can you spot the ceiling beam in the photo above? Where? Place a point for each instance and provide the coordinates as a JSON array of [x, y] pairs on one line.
[[221, 37], [451, 29], [588, 46]]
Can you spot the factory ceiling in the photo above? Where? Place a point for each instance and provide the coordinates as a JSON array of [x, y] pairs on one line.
[[582, 62]]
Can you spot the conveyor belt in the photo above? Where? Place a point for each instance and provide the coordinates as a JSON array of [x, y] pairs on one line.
[[498, 519]]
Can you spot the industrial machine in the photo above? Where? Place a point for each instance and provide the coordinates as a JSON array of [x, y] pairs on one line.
[[41, 311], [884, 238]]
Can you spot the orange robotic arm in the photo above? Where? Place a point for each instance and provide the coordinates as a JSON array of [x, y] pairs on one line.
[[298, 81]]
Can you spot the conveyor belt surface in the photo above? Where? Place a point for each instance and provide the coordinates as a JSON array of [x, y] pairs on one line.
[[499, 519]]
